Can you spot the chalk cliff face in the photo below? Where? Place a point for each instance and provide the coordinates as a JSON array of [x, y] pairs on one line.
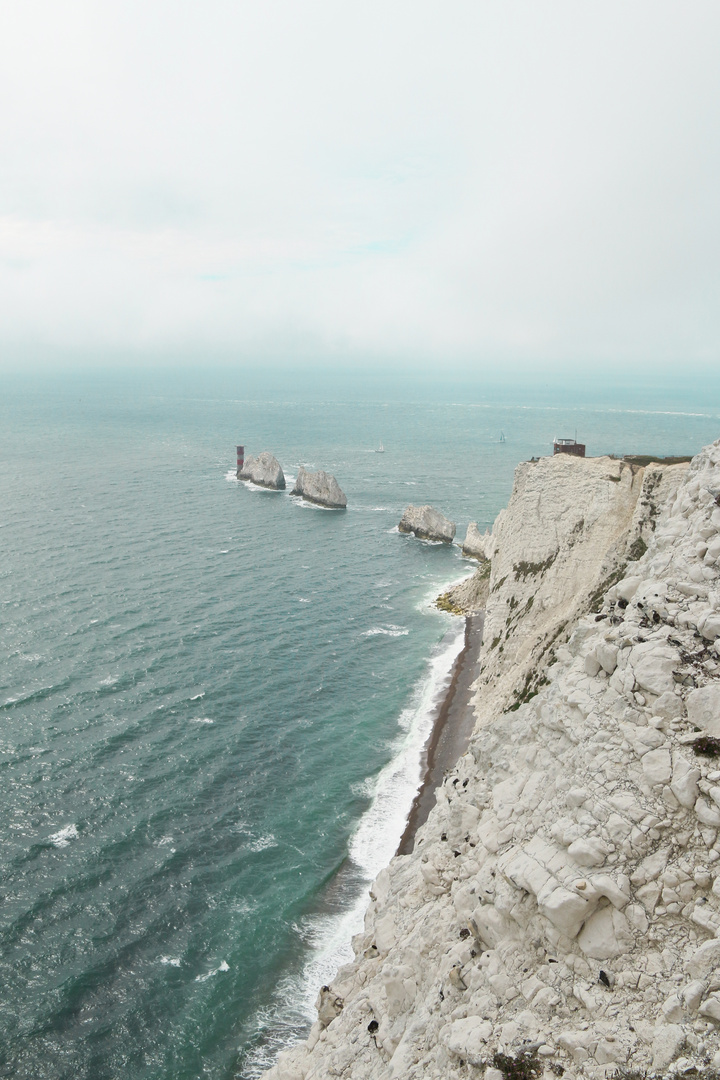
[[264, 470], [321, 488], [562, 901], [427, 523]]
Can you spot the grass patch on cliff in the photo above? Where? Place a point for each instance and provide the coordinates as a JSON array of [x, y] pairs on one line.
[[446, 603], [637, 549], [526, 1066], [707, 746], [598, 595], [647, 459], [525, 569], [530, 689]]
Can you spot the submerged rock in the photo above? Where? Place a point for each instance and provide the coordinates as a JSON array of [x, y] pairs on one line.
[[264, 470], [321, 488], [427, 524]]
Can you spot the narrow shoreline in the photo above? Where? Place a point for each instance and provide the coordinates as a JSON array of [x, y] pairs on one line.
[[452, 727]]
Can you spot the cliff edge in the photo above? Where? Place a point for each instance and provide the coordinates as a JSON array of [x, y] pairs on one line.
[[560, 912]]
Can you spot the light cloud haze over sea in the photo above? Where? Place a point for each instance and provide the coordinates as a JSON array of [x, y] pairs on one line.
[[460, 182]]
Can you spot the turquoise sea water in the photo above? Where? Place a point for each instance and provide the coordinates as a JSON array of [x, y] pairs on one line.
[[212, 698]]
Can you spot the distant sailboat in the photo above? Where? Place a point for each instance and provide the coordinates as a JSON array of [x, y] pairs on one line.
[[380, 449], [502, 436]]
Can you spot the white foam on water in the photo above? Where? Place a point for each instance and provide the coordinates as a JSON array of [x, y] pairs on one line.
[[173, 961], [198, 696], [381, 827], [304, 600], [63, 836], [232, 475], [201, 720], [225, 551], [165, 840], [263, 842], [372, 846], [110, 680], [224, 966], [299, 501], [388, 631]]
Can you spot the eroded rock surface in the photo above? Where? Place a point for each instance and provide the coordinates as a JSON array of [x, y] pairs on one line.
[[427, 524], [468, 597], [264, 470], [321, 488], [476, 544], [564, 893]]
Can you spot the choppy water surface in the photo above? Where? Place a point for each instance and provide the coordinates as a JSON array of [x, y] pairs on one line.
[[212, 698]]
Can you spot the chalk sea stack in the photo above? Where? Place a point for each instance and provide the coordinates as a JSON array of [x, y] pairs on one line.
[[476, 544], [321, 488], [427, 524], [264, 470]]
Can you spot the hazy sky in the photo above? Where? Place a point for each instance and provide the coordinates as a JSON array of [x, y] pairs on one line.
[[455, 181]]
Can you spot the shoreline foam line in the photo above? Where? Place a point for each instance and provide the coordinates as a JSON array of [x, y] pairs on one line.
[[452, 728], [287, 1021]]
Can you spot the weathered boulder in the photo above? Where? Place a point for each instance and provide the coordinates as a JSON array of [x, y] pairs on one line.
[[328, 1005], [264, 470], [467, 1039], [668, 705], [653, 665], [476, 544], [667, 1044], [321, 488], [605, 934], [427, 524], [703, 708]]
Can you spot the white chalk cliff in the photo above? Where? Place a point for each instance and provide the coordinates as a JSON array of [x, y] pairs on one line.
[[563, 898]]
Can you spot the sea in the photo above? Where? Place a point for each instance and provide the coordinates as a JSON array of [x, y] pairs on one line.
[[213, 698]]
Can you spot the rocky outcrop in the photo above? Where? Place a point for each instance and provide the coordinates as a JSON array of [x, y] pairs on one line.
[[264, 470], [569, 528], [427, 524], [562, 902], [469, 596], [321, 488], [477, 545]]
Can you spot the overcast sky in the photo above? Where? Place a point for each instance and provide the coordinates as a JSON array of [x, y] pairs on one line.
[[412, 181]]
